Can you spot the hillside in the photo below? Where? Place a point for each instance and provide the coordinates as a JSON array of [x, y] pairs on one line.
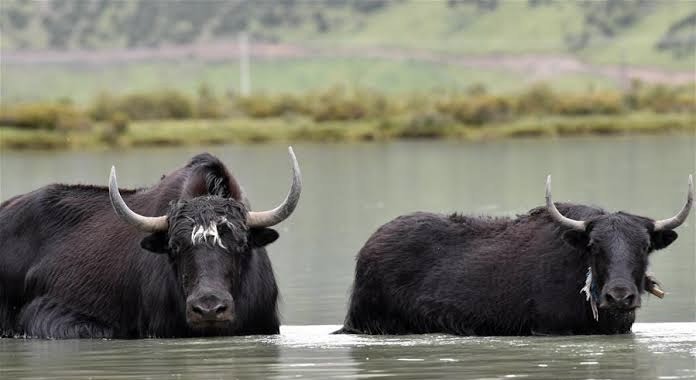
[[650, 33], [73, 50]]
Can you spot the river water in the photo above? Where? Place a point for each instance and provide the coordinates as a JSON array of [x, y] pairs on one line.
[[351, 189]]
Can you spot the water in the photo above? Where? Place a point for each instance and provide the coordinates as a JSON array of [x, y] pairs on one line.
[[351, 189], [664, 350]]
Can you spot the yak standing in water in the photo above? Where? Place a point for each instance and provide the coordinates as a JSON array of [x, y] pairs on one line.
[[430, 273], [188, 261]]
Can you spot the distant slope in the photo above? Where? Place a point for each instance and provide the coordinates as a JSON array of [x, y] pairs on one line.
[[650, 33]]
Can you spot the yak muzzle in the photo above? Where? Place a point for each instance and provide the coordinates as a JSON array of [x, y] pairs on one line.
[[209, 309], [622, 297]]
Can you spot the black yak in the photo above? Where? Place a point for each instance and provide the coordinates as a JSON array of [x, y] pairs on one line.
[[187, 260], [559, 269]]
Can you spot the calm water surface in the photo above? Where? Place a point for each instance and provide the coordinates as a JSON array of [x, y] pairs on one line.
[[351, 189]]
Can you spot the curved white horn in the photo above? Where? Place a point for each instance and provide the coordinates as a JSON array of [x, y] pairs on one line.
[[144, 223], [556, 215], [285, 209], [677, 220]]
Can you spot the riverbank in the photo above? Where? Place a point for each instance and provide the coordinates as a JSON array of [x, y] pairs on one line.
[[249, 130]]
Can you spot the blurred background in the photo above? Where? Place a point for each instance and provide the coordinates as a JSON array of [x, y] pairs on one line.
[[121, 73], [393, 106]]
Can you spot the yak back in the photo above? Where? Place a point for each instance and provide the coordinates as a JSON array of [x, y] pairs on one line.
[[470, 275]]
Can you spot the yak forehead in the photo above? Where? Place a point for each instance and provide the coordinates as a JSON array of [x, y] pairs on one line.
[[202, 220], [620, 232]]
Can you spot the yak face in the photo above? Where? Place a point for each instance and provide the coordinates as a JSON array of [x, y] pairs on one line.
[[209, 244], [210, 236], [619, 245]]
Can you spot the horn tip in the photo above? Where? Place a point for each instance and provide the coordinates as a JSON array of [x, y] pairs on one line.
[[112, 176]]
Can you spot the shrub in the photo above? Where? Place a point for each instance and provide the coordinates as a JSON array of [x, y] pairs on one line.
[[263, 106], [337, 103], [477, 109], [427, 125], [588, 104], [166, 104], [116, 127], [538, 99], [208, 106], [48, 116], [661, 98]]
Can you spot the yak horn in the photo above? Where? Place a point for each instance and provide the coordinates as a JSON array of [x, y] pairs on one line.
[[143, 223], [272, 217], [677, 220], [556, 215]]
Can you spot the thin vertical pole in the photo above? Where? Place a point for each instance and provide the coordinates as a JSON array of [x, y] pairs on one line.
[[244, 77]]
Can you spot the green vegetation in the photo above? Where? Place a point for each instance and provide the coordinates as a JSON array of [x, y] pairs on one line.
[[168, 117], [644, 32], [223, 131], [394, 46], [82, 83]]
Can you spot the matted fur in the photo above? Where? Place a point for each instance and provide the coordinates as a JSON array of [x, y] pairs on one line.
[[465, 275], [70, 268]]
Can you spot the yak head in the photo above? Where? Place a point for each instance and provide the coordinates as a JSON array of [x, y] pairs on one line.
[[619, 245], [209, 239]]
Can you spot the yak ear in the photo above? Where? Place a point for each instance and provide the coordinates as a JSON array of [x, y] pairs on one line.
[[157, 242], [661, 239], [261, 237], [577, 239]]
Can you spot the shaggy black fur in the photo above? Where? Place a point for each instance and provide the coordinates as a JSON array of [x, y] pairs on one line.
[[427, 273], [70, 268]]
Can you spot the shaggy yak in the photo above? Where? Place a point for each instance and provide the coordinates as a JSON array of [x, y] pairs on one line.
[[559, 269], [187, 260]]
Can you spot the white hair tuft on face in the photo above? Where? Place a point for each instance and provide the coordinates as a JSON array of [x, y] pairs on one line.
[[587, 289], [200, 234]]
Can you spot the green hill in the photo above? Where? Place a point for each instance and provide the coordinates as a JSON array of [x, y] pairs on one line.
[[658, 33], [390, 45]]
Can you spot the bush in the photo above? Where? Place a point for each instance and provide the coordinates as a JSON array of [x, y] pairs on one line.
[[47, 116], [337, 104], [166, 104], [264, 106], [209, 106], [538, 99], [427, 125], [117, 126], [477, 109], [590, 104], [662, 99]]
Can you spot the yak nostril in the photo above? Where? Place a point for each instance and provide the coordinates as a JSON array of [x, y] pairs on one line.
[[610, 298], [219, 309], [621, 297], [197, 309]]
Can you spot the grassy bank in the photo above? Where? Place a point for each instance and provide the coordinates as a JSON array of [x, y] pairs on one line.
[[249, 130]]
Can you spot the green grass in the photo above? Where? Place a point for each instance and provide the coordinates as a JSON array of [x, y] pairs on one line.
[[243, 130], [512, 28], [82, 83], [635, 46]]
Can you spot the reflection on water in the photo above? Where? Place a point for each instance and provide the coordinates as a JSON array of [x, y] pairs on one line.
[[656, 350], [351, 189]]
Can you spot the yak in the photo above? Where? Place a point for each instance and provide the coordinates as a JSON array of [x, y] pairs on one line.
[[562, 269], [187, 258]]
